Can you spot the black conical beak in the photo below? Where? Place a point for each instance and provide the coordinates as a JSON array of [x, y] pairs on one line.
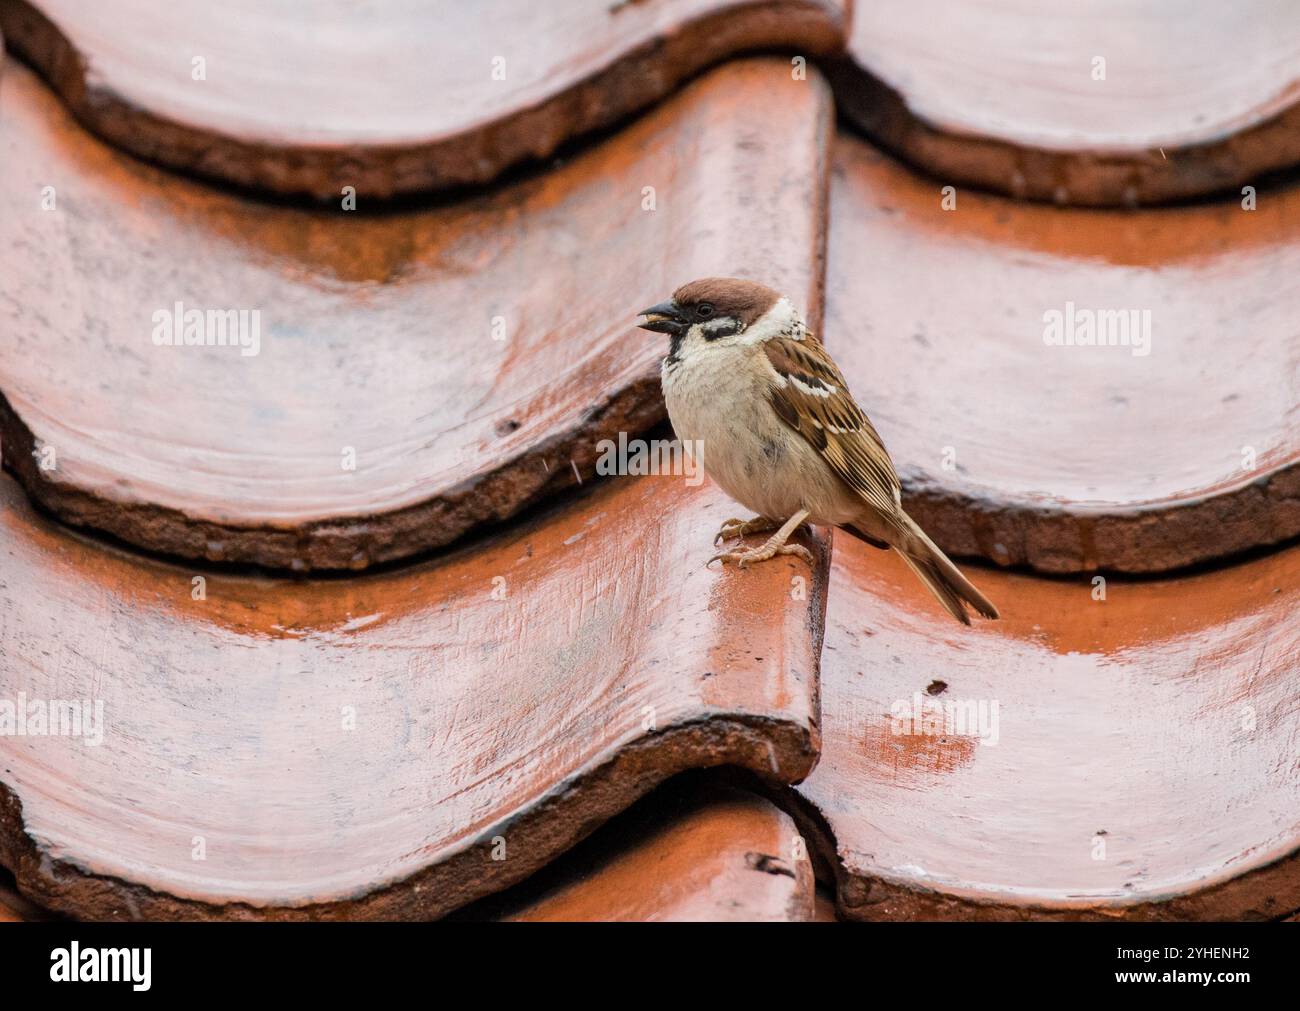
[[666, 317]]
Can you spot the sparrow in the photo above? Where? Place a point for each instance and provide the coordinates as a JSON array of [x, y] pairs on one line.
[[747, 382]]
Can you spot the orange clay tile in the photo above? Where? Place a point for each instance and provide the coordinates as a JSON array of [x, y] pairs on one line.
[[1143, 763], [1069, 458], [686, 853], [1198, 95], [390, 745], [381, 415], [311, 97]]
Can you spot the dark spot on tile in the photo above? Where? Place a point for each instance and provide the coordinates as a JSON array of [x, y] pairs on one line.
[[768, 864]]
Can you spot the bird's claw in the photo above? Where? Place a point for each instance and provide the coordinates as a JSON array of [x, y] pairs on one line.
[[729, 529], [745, 558], [740, 528]]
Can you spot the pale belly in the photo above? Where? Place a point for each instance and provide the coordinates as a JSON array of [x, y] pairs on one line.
[[748, 451]]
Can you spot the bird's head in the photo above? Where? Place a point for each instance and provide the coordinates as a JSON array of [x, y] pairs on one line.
[[717, 311]]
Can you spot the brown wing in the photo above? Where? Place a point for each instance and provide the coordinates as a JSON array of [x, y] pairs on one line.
[[811, 396]]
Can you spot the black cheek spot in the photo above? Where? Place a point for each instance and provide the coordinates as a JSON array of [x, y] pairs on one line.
[[726, 331]]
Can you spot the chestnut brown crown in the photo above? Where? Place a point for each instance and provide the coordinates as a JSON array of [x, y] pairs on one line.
[[747, 301], [711, 298]]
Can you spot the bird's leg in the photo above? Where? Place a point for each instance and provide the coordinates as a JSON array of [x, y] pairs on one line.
[[741, 528], [775, 545]]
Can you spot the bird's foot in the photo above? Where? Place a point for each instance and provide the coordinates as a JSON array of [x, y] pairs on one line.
[[768, 550], [740, 528], [773, 546]]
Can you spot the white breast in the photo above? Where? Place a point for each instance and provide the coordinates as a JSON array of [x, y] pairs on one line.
[[719, 400]]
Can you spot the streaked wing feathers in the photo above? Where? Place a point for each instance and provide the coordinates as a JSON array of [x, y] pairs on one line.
[[811, 396]]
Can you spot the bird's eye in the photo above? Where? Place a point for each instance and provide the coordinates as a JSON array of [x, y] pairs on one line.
[[704, 310]]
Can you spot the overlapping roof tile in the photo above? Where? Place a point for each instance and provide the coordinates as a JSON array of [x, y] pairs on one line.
[[412, 374], [425, 94], [688, 852], [1112, 748], [957, 319], [390, 745], [1099, 102]]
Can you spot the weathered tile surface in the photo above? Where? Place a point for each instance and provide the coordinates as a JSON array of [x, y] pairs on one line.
[[1198, 95], [381, 415], [391, 98], [1143, 762], [1068, 458], [364, 747], [689, 852]]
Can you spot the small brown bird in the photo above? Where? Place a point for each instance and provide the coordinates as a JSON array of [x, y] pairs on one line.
[[750, 385]]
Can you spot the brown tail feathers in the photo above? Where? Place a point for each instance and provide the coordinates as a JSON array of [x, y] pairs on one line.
[[953, 590]]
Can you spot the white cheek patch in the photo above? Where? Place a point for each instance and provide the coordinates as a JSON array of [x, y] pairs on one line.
[[779, 321], [721, 323]]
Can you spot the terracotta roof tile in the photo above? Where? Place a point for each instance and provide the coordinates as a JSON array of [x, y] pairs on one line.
[[427, 95], [443, 734], [1068, 458], [688, 852], [380, 416], [1141, 760], [360, 748], [1196, 96]]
